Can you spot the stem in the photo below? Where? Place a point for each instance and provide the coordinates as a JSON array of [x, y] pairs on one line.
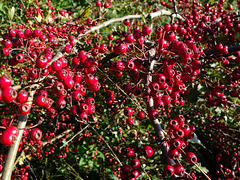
[[114, 155], [156, 124], [22, 121], [74, 136], [12, 153], [137, 16], [202, 171]]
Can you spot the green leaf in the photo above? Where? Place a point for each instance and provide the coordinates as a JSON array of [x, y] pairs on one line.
[[204, 169], [82, 162], [101, 155], [2, 8], [11, 13], [113, 177]]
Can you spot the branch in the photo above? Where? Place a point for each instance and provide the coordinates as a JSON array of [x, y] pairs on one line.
[[138, 16], [66, 143], [12, 153], [175, 7], [22, 121], [230, 50], [156, 124]]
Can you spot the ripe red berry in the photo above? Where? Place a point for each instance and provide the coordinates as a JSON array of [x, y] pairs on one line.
[[41, 62], [120, 49], [98, 3], [9, 135], [8, 95], [135, 174], [36, 33], [62, 12], [61, 103], [12, 32], [20, 34], [153, 114], [106, 5], [179, 169], [130, 121], [141, 115], [146, 30], [35, 134], [20, 57], [40, 101], [5, 81], [135, 163], [128, 112], [24, 109], [82, 55], [129, 38], [7, 43], [147, 151], [129, 152], [173, 154], [126, 22], [5, 51], [56, 65], [191, 157], [168, 170], [110, 37]]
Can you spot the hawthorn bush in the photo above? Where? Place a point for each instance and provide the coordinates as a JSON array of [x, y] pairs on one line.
[[120, 89]]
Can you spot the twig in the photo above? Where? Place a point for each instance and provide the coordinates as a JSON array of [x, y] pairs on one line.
[[138, 16], [175, 7], [213, 51], [202, 171], [74, 136], [115, 156], [156, 124]]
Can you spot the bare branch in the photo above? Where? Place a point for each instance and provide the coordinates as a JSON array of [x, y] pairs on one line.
[[138, 16]]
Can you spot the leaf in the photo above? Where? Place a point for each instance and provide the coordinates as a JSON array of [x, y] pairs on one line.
[[82, 162], [1, 8], [11, 13], [21, 160], [90, 163], [202, 88], [195, 139], [39, 18], [113, 177], [85, 13], [204, 169], [101, 155]]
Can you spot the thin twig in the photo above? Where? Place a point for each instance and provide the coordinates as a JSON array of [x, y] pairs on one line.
[[115, 156], [74, 136]]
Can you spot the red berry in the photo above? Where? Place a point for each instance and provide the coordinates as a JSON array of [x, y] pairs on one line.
[[146, 30], [22, 96], [168, 170], [147, 151], [5, 51], [36, 33], [98, 3], [179, 169], [5, 81], [24, 109], [62, 12], [35, 134], [126, 22], [135, 163], [128, 112], [8, 95], [191, 157]]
